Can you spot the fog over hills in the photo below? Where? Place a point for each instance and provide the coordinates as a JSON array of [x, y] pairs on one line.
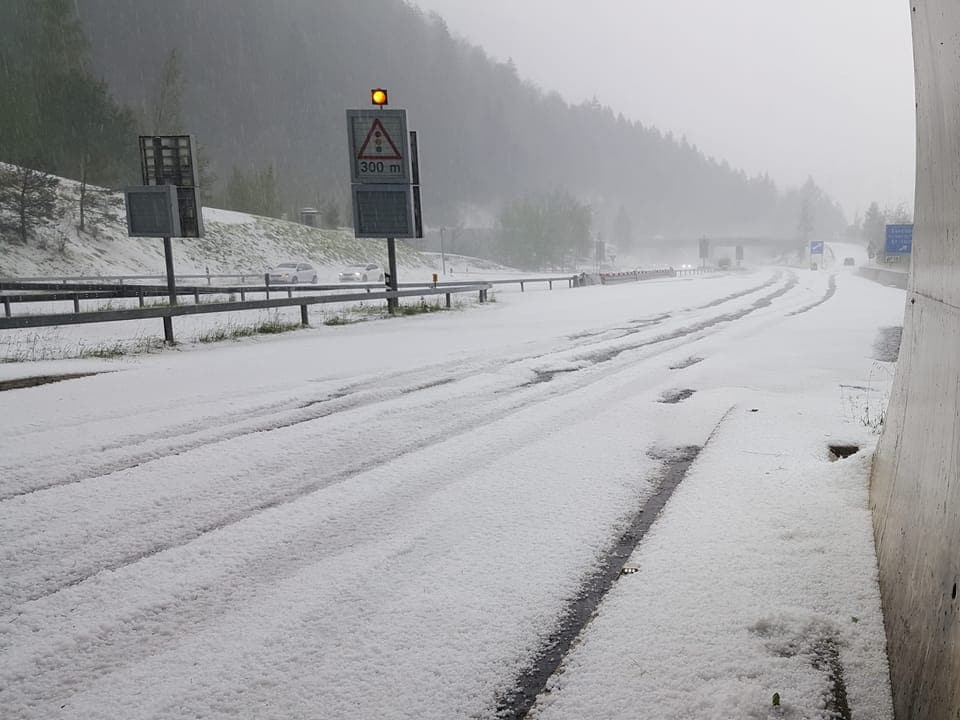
[[266, 83]]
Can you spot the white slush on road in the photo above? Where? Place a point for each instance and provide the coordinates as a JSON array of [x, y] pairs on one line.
[[389, 519]]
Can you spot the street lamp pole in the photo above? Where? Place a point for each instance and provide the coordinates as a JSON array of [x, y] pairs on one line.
[[443, 258]]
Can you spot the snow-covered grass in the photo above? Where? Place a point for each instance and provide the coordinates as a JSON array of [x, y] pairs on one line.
[[233, 243], [130, 337], [388, 519]]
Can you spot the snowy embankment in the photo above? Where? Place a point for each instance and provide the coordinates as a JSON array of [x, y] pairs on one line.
[[390, 519], [234, 242]]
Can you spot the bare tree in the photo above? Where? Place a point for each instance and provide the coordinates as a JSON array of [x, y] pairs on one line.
[[330, 214], [168, 102], [28, 198], [95, 201]]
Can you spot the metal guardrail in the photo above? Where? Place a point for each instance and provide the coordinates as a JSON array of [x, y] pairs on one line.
[[121, 278], [59, 290], [66, 289], [611, 278], [86, 280], [166, 311]]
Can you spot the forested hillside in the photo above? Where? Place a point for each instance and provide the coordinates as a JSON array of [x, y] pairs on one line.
[[264, 83]]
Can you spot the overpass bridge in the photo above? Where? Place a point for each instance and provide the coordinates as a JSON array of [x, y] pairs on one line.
[[723, 241]]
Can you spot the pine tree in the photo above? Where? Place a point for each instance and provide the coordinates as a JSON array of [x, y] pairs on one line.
[[166, 113], [59, 118], [330, 214], [28, 198], [874, 230], [623, 230], [254, 193]]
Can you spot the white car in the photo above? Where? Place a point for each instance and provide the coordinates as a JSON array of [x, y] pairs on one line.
[[365, 272], [293, 272]]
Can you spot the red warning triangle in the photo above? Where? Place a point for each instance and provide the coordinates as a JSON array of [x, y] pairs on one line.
[[378, 145]]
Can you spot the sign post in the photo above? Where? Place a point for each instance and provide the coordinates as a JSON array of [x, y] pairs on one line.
[[168, 203], [385, 179]]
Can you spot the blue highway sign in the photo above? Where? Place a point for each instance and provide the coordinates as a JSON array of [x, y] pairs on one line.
[[899, 240]]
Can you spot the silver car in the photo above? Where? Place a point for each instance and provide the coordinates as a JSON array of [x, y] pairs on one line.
[[365, 272], [293, 272]]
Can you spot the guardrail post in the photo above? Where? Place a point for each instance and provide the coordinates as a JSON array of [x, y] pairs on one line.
[[266, 281], [140, 297], [521, 286], [290, 292], [6, 306], [448, 301], [208, 275], [243, 295], [304, 321], [196, 296], [76, 304], [551, 284], [481, 299]]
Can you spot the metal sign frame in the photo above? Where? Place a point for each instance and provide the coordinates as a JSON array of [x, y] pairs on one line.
[[171, 160], [177, 162], [378, 215], [379, 147], [166, 223]]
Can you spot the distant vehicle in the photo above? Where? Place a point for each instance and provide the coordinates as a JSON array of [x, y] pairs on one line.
[[724, 263], [848, 261], [365, 272], [293, 272]]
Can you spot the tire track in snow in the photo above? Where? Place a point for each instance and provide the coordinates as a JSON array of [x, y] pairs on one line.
[[831, 291], [516, 703], [495, 409], [740, 294], [116, 456]]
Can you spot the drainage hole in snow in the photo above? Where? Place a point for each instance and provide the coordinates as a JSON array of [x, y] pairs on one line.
[[838, 452]]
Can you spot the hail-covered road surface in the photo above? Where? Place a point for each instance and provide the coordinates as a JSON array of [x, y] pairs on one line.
[[393, 519]]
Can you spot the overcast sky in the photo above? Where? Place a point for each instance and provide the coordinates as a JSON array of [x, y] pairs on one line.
[[791, 87]]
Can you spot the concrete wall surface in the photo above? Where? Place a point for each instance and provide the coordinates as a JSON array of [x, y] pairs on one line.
[[915, 488], [893, 278]]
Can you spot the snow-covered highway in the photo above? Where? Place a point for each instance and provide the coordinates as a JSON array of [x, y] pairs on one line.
[[389, 519]]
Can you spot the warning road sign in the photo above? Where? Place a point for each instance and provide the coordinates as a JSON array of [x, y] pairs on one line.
[[379, 145]]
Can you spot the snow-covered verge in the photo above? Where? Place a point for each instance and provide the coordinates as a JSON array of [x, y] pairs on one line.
[[234, 243], [388, 519]]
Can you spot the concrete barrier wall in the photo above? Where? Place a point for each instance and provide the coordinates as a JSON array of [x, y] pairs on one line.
[[893, 278], [915, 489]]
